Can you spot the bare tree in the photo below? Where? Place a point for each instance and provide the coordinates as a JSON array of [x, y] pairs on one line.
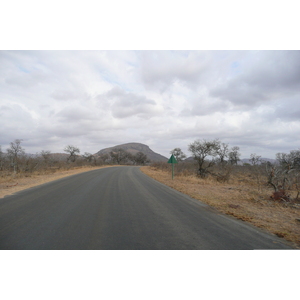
[[14, 152], [73, 151], [286, 173], [1, 159], [289, 161], [89, 157], [119, 155], [179, 155], [46, 154], [273, 173], [257, 168], [103, 158], [222, 152], [140, 158], [255, 159], [234, 155], [201, 150]]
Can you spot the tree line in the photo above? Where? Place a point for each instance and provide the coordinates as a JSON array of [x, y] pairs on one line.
[[15, 160], [208, 153], [115, 156], [214, 158]]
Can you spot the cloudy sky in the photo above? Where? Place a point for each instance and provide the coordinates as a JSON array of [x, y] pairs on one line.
[[165, 99]]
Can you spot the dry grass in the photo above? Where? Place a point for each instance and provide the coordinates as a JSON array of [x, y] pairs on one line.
[[241, 198], [10, 184]]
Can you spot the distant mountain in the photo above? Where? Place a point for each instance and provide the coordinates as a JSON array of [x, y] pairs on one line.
[[190, 158], [248, 161], [133, 148]]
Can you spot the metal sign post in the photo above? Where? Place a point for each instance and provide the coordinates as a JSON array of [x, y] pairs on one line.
[[172, 161]]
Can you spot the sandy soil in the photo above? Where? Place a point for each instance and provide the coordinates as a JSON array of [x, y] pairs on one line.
[[11, 185]]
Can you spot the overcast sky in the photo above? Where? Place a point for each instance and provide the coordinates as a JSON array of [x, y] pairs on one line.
[[165, 99]]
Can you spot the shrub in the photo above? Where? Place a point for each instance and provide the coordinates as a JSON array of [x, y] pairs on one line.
[[281, 195]]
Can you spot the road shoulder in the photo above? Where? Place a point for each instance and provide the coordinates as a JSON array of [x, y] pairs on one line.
[[14, 185]]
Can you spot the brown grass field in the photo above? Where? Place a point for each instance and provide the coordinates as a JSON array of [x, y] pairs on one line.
[[238, 198]]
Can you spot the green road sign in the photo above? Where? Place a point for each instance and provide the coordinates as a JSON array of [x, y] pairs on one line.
[[172, 161]]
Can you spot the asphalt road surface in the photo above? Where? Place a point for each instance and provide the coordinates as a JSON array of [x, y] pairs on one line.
[[119, 208]]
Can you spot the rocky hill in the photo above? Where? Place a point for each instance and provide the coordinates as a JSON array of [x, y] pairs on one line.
[[133, 148]]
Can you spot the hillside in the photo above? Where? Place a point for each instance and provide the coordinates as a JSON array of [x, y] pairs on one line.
[[133, 148]]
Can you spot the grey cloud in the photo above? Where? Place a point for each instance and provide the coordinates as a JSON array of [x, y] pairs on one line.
[[290, 114], [68, 130], [242, 97], [287, 110], [26, 80], [4, 109], [240, 93], [16, 122], [275, 70], [267, 76], [66, 95], [22, 69], [122, 104], [159, 69], [129, 105], [203, 107], [75, 114]]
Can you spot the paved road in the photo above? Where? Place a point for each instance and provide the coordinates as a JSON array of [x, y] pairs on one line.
[[119, 208]]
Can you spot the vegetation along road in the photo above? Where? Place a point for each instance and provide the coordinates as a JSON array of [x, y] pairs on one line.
[[119, 208]]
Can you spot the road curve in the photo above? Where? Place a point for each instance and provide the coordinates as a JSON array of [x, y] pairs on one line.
[[120, 208]]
